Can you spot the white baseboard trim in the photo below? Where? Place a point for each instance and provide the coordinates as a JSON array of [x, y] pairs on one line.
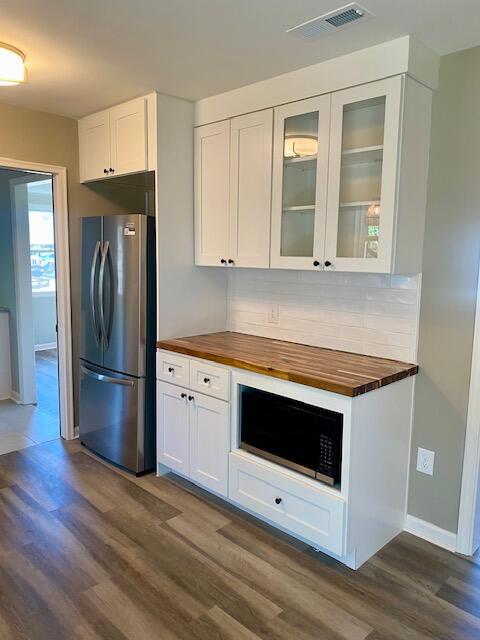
[[15, 396], [431, 533], [46, 346], [76, 432]]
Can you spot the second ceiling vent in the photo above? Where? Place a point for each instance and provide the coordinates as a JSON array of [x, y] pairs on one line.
[[331, 21]]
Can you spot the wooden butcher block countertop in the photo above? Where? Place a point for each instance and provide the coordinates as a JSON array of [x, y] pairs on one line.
[[349, 374]]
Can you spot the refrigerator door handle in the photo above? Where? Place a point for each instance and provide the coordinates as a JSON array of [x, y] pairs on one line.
[[92, 292], [101, 279], [103, 378]]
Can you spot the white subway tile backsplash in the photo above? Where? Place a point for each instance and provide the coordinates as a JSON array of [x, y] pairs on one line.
[[374, 314]]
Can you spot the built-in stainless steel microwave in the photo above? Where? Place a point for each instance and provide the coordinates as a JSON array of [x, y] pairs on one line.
[[294, 434]]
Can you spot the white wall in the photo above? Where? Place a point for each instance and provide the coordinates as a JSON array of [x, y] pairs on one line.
[[450, 274], [44, 308], [5, 369], [365, 313]]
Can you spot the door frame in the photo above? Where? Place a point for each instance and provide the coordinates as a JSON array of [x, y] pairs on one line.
[[23, 292], [63, 297], [469, 512]]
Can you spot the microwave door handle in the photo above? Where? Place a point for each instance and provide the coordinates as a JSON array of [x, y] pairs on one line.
[[101, 280], [103, 378], [92, 292]]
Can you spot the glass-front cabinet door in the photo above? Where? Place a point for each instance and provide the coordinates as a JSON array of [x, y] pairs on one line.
[[364, 138], [299, 193]]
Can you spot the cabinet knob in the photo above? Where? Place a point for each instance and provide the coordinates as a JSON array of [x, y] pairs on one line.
[[316, 263], [231, 261], [105, 171], [328, 263], [171, 369], [206, 380], [112, 170], [190, 398], [183, 395], [223, 261], [278, 500]]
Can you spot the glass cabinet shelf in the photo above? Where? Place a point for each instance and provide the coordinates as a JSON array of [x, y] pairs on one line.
[[362, 155], [304, 162], [366, 203], [299, 208], [360, 189]]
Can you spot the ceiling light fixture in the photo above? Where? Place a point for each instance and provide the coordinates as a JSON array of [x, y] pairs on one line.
[[300, 146], [12, 66]]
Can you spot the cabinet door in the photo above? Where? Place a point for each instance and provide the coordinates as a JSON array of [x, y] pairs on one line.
[[128, 136], [212, 191], [251, 142], [362, 177], [94, 146], [173, 431], [209, 442], [300, 175]]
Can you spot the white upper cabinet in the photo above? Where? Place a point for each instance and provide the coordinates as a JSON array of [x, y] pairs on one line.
[[128, 137], [299, 195], [233, 181], [348, 174], [94, 143], [363, 167], [212, 193], [250, 189], [114, 142]]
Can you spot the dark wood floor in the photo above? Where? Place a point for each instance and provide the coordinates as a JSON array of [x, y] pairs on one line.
[[86, 552], [46, 376]]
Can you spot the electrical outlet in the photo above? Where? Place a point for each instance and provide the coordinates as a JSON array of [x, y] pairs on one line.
[[425, 460], [273, 313]]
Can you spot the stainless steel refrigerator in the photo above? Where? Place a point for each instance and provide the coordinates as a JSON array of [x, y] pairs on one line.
[[117, 355]]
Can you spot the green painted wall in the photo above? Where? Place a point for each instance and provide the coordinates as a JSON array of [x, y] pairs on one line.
[[450, 271]]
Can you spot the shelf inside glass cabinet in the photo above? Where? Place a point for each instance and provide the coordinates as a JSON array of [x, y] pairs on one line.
[[362, 155], [298, 226], [358, 229], [305, 208]]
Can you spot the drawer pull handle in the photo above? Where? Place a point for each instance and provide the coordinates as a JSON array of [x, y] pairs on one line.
[[190, 398], [183, 395], [206, 380], [171, 370], [278, 500]]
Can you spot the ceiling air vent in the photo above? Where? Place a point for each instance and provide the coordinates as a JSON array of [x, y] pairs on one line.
[[331, 21]]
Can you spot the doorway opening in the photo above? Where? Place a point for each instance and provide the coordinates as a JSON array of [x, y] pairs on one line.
[[35, 340]]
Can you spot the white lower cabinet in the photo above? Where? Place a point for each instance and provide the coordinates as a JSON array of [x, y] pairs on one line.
[[209, 442], [173, 417], [292, 504], [351, 521], [193, 435]]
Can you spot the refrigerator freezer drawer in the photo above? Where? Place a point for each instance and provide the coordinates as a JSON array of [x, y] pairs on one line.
[[112, 421]]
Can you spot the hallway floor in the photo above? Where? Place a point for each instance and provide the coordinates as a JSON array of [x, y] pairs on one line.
[[25, 425]]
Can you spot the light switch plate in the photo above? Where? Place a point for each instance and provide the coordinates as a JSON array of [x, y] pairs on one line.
[[425, 460], [273, 313]]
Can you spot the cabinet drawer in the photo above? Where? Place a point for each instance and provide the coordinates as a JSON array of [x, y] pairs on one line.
[[209, 379], [298, 507], [172, 368]]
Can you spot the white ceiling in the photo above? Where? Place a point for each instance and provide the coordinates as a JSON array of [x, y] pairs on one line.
[[84, 55]]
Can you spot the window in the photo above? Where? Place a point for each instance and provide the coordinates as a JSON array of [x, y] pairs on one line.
[[42, 243]]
